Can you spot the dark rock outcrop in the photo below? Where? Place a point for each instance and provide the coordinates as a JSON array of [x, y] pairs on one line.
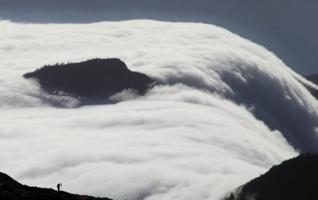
[[313, 78], [12, 190], [91, 81], [294, 179]]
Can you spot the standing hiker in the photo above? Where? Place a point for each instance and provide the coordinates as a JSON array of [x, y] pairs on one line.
[[59, 187]]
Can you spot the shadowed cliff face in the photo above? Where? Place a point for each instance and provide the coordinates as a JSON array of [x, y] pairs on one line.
[[12, 190], [92, 81], [294, 179]]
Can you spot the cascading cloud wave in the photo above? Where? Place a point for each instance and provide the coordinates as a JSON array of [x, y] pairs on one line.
[[229, 110]]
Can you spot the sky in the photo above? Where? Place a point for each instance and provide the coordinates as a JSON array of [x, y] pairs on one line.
[[286, 27]]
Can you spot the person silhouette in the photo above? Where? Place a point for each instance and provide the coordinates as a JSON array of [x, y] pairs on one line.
[[59, 187]]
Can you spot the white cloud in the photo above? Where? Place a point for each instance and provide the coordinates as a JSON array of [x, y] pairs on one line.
[[225, 117]]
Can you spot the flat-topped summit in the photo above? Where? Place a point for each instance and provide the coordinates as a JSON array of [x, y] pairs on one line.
[[95, 79]]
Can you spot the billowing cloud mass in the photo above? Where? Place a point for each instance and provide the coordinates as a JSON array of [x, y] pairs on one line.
[[228, 111]]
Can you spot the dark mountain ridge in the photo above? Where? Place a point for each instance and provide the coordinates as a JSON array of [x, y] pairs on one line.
[[13, 190], [92, 81], [293, 179]]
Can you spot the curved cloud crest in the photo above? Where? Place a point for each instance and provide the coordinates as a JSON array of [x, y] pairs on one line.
[[228, 110]]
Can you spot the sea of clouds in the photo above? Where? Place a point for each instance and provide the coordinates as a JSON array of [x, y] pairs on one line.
[[228, 111]]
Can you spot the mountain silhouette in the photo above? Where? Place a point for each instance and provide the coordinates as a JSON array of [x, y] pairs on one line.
[[294, 179], [13, 190], [91, 81]]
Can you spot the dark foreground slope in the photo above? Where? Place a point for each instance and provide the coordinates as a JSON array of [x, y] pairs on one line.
[[90, 81], [294, 179], [12, 190]]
